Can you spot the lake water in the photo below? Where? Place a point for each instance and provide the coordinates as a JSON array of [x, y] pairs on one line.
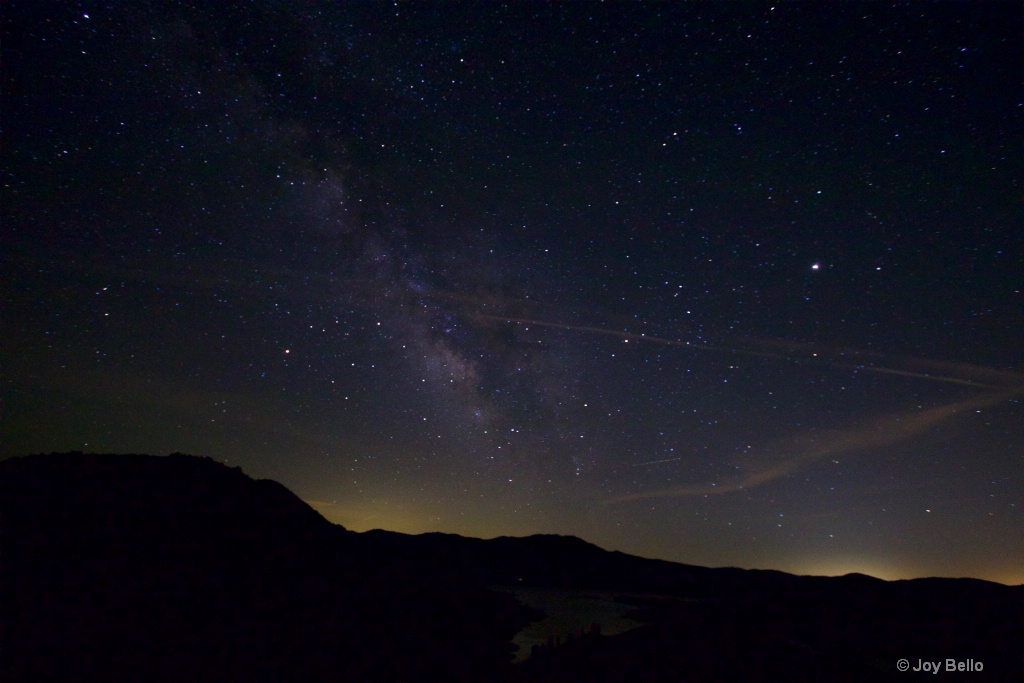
[[568, 612]]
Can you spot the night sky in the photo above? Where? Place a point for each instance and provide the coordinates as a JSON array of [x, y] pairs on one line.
[[725, 284]]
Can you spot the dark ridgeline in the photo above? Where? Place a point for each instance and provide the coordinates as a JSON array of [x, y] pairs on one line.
[[140, 568], [131, 568]]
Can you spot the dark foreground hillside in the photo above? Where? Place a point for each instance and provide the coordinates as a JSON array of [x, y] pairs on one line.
[[131, 568], [138, 568]]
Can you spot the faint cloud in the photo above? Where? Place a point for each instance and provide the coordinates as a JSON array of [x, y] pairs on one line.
[[805, 449]]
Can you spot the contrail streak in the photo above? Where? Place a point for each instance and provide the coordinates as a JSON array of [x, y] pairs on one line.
[[976, 376], [656, 462], [627, 336], [803, 450], [920, 375]]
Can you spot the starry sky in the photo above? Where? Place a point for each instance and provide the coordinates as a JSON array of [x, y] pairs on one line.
[[721, 283]]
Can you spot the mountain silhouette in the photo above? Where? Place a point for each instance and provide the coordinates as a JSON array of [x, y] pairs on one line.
[[131, 568], [179, 568]]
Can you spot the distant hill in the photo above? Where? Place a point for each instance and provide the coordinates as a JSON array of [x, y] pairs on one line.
[[177, 568]]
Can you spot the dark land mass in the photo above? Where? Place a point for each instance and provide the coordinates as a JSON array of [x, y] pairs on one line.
[[178, 568]]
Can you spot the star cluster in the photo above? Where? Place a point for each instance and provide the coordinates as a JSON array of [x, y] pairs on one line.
[[722, 283]]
